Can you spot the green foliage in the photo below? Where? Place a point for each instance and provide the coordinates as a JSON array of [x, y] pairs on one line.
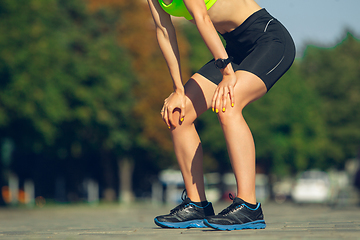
[[59, 64], [334, 74], [65, 92]]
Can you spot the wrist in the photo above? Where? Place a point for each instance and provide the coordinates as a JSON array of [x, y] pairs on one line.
[[222, 63], [179, 90], [228, 70]]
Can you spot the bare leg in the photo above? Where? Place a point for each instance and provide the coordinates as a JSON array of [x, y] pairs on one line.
[[238, 137], [186, 141]]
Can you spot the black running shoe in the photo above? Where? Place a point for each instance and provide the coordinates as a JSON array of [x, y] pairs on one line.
[[237, 216], [186, 215]]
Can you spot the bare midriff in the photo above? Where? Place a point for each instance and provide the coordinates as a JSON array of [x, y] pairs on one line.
[[226, 15]]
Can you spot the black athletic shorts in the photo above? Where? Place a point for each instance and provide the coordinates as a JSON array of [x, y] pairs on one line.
[[261, 45]]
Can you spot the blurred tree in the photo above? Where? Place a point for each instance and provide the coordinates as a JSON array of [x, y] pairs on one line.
[[334, 74], [65, 96]]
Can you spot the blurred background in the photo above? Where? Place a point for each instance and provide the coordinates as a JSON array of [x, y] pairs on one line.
[[82, 83]]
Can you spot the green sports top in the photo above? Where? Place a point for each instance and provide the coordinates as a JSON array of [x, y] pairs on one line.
[[177, 8]]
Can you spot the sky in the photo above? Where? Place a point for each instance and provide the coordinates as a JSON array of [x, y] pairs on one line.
[[319, 22]]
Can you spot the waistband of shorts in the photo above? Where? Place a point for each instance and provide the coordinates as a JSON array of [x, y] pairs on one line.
[[252, 18]]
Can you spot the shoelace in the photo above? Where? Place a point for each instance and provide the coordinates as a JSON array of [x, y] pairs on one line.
[[182, 205], [183, 195], [230, 208]]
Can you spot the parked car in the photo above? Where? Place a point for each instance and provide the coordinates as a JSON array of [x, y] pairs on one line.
[[282, 189], [312, 186]]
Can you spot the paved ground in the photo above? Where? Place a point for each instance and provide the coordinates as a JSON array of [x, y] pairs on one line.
[[286, 221]]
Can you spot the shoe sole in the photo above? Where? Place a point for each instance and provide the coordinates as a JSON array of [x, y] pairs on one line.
[[259, 224], [187, 224]]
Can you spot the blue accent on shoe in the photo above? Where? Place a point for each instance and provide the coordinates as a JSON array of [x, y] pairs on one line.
[[199, 206], [259, 224], [199, 223], [258, 205], [243, 204]]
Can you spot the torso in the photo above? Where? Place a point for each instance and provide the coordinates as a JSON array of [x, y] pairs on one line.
[[226, 15]]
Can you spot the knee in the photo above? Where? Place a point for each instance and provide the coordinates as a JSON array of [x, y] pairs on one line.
[[230, 116], [188, 120], [182, 126]]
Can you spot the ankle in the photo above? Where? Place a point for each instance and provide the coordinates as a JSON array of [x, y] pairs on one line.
[[195, 197], [201, 204], [248, 200]]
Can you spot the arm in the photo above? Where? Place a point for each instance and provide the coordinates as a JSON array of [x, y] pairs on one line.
[[166, 36], [197, 9]]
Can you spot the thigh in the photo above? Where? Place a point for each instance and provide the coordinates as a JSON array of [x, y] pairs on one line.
[[248, 88], [199, 92]]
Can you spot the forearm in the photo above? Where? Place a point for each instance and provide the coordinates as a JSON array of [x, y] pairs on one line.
[[169, 47], [166, 36], [212, 40], [210, 36], [197, 9]]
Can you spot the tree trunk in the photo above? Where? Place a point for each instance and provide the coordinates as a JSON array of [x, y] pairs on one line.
[[126, 168]]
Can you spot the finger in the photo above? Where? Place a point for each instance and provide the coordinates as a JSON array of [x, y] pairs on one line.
[[232, 96], [182, 113], [163, 116], [213, 102], [224, 98], [166, 118], [162, 112], [170, 117], [218, 100]]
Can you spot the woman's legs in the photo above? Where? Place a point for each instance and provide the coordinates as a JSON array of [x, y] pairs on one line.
[[186, 141], [238, 137]]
